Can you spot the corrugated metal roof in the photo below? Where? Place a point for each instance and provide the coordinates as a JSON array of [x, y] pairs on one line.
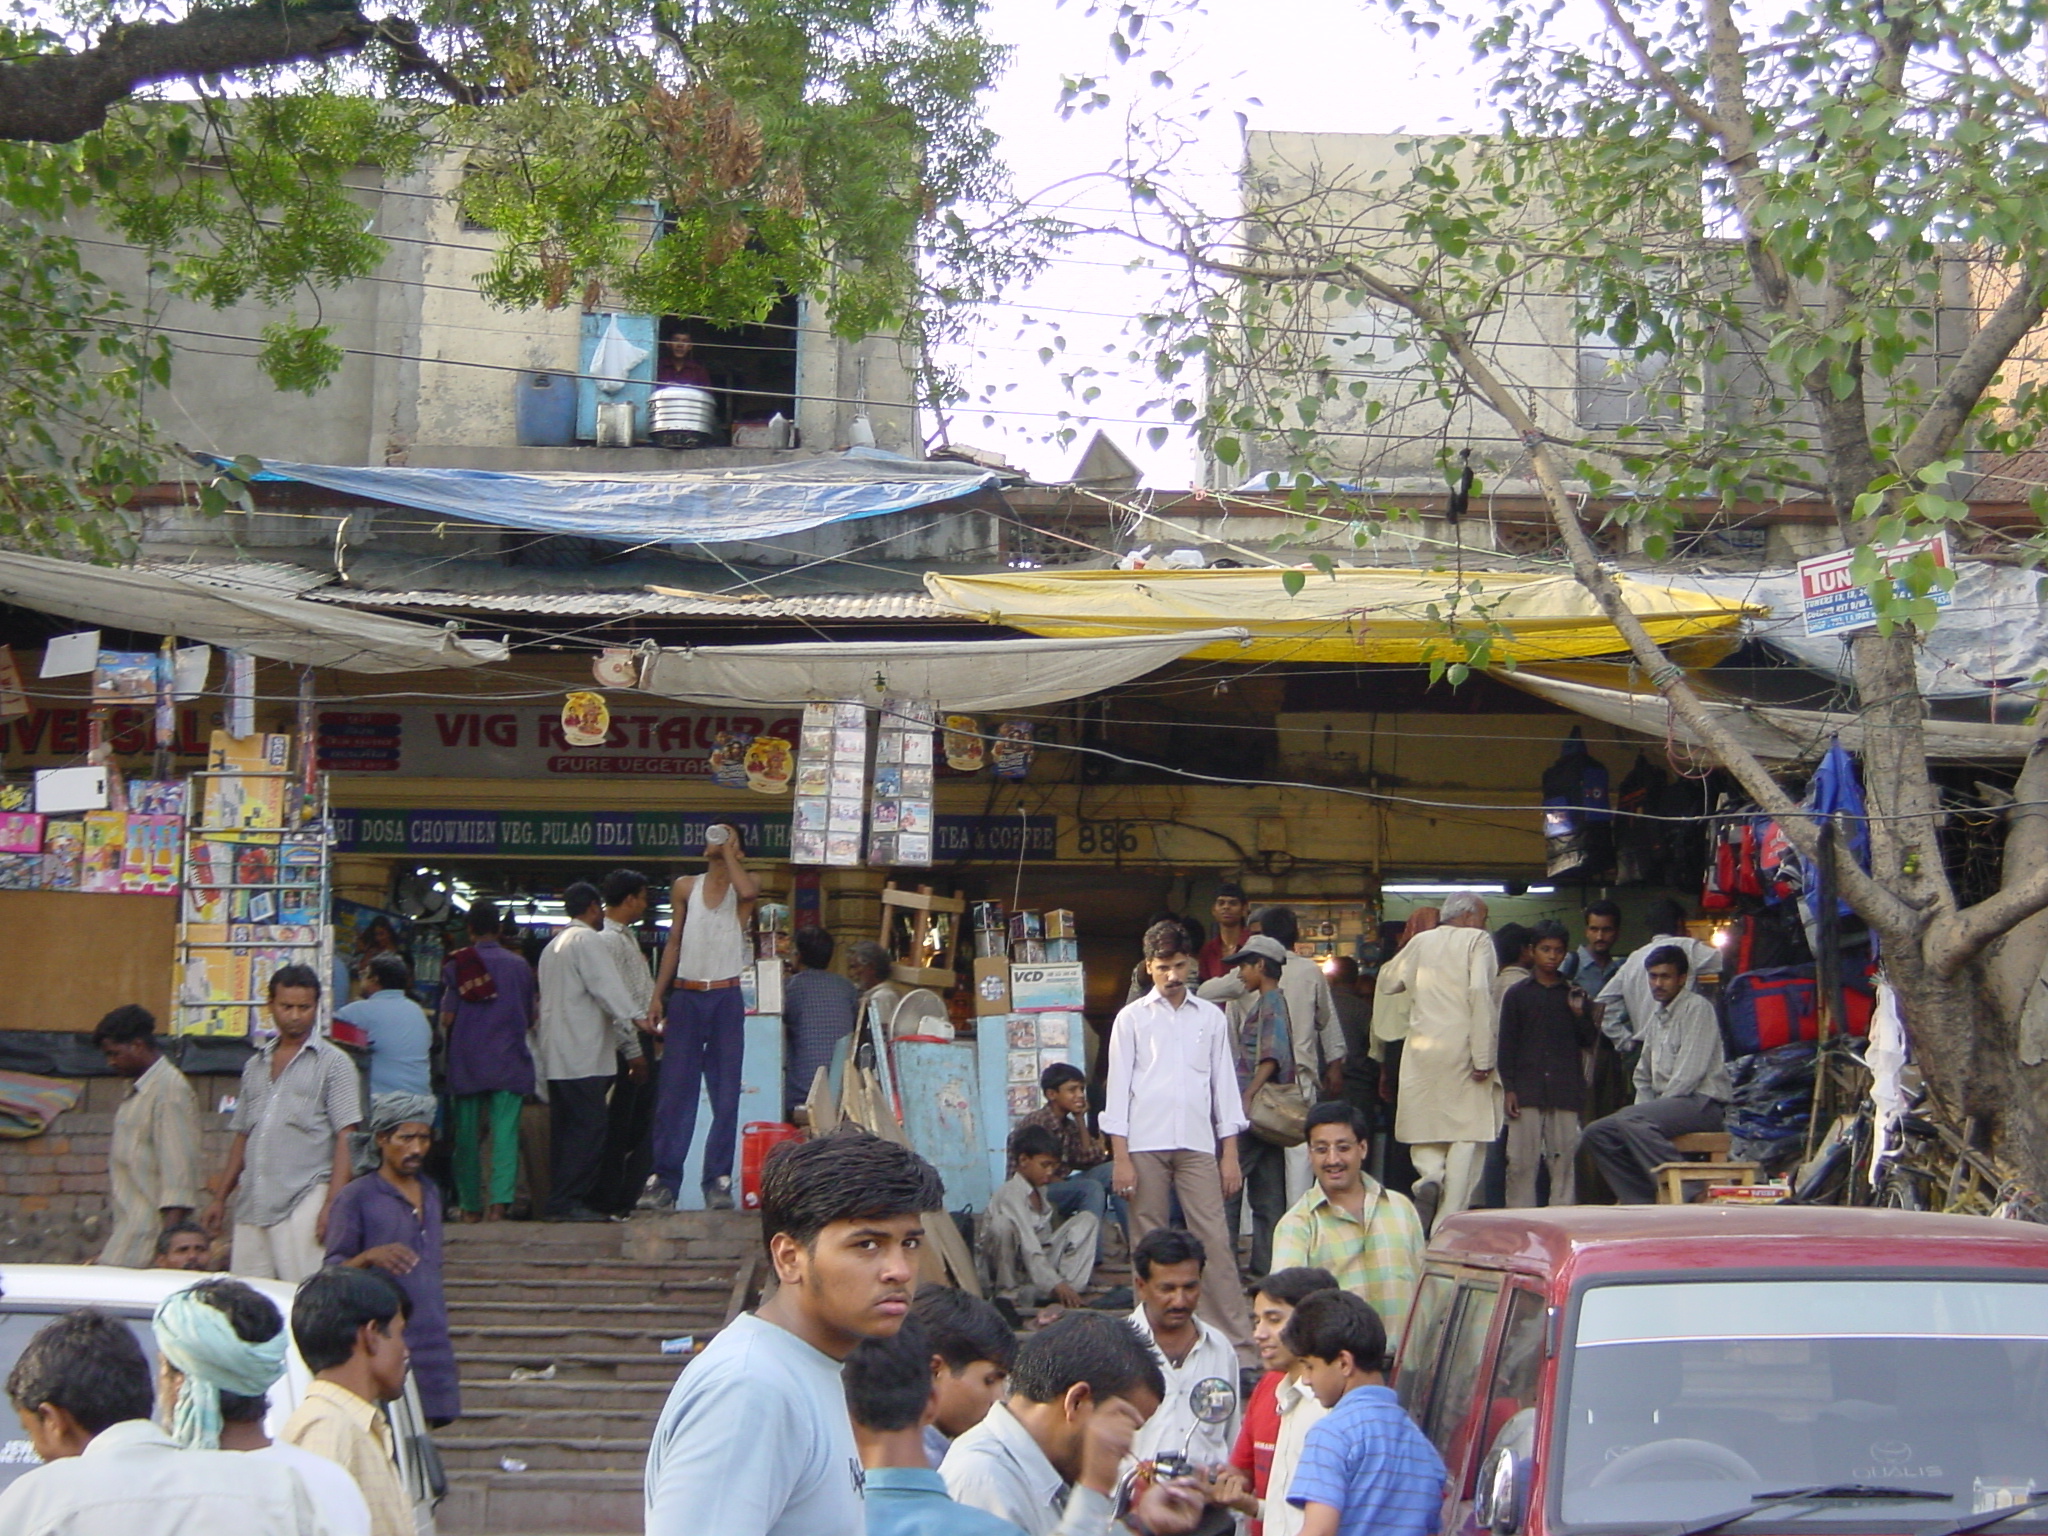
[[268, 576], [620, 605]]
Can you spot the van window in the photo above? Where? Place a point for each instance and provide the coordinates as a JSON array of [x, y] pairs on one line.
[[1426, 1319], [1517, 1366], [1451, 1406]]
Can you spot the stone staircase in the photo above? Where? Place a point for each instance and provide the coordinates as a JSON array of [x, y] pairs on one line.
[[592, 1304]]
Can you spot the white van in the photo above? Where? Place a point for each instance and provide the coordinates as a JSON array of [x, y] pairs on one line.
[[33, 1294]]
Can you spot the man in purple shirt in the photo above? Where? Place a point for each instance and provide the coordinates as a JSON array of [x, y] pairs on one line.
[[486, 1009], [391, 1220]]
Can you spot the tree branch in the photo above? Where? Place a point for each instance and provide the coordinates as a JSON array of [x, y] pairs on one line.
[[1687, 104], [57, 98], [1971, 375], [1957, 938]]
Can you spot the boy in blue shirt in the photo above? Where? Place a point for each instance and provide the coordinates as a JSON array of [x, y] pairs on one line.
[[1365, 1468]]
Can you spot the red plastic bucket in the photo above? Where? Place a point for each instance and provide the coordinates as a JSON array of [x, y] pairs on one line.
[[757, 1140]]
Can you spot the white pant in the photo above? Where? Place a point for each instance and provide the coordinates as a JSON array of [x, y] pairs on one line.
[[1456, 1166], [288, 1251], [1071, 1254]]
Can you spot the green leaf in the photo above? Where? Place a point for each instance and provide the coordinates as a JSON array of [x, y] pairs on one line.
[[1293, 581]]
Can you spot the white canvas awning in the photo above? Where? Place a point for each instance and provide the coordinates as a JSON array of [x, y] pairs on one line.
[[957, 674], [1775, 733], [281, 628]]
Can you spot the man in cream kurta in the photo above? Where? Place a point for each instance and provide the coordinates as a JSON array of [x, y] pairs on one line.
[[1449, 1107]]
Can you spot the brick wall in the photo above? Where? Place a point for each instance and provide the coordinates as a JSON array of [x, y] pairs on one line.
[[54, 1204]]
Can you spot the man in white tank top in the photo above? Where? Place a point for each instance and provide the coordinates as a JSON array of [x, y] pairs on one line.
[[704, 1024]]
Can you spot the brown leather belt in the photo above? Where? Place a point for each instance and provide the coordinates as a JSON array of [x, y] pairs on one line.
[[707, 986]]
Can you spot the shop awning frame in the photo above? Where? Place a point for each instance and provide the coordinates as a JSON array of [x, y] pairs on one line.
[[1354, 614], [965, 675], [263, 623]]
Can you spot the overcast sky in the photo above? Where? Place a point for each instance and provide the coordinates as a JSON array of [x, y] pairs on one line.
[[1302, 65]]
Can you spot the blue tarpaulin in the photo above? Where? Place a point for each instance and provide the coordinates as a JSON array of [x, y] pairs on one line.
[[692, 506]]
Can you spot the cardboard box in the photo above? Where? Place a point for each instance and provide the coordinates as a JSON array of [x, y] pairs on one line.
[[1059, 924], [991, 986], [1047, 988]]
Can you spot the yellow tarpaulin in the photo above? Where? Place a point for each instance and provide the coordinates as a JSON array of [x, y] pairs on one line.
[[1354, 615]]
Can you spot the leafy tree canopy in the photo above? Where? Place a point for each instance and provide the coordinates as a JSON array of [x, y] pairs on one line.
[[699, 157]]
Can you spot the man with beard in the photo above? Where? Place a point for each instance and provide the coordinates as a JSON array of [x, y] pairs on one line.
[[390, 1220]]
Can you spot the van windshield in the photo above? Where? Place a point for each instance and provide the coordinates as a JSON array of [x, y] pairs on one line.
[[1687, 1399]]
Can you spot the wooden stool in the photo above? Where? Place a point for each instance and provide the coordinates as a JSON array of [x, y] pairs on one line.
[[1673, 1177], [1703, 1144]]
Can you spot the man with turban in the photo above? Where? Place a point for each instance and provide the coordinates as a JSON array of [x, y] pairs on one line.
[[390, 1219], [220, 1348]]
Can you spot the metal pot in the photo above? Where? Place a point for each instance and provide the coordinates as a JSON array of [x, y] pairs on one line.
[[682, 416]]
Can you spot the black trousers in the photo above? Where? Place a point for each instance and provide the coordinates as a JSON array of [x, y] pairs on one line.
[[576, 1136], [629, 1139]]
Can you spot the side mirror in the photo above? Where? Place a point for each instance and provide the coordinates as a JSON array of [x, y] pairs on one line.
[[1502, 1480]]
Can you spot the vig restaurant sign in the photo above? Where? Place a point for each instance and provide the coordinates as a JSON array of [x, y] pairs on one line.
[[527, 742]]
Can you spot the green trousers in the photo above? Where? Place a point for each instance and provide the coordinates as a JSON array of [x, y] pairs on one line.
[[494, 1114]]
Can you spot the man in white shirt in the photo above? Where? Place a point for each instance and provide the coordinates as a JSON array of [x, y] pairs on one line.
[[1173, 1115], [1624, 1003], [1199, 1412], [1048, 1459], [587, 1020], [82, 1391], [1449, 1109]]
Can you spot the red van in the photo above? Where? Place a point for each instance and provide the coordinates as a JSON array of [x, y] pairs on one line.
[[1774, 1371]]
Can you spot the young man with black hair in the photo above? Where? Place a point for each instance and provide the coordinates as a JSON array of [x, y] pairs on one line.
[[627, 1158], [401, 1040], [754, 1437], [891, 1400], [1280, 1413], [1622, 1007], [1365, 1234], [220, 1347], [972, 1347], [1048, 1459], [1590, 965], [1173, 1117], [153, 1163], [1366, 1470], [488, 1010], [1032, 1256], [818, 1008], [589, 1019], [1227, 912], [298, 1104], [349, 1325], [704, 1030], [82, 1391], [184, 1246], [1084, 1155], [1200, 1367], [1681, 1082], [1262, 1047], [1545, 1030]]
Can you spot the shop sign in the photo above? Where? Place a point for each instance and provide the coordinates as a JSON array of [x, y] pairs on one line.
[[55, 735], [530, 743], [642, 834], [1046, 988], [1832, 601]]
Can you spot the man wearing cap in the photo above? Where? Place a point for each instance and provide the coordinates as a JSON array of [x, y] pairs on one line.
[[1262, 1049], [390, 1219]]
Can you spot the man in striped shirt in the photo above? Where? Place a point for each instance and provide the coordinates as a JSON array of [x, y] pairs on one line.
[[1363, 1233]]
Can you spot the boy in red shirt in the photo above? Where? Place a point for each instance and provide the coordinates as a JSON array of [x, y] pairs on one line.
[[1279, 1413]]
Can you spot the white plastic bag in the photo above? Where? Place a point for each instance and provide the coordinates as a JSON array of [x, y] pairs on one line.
[[1885, 1056], [614, 359]]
